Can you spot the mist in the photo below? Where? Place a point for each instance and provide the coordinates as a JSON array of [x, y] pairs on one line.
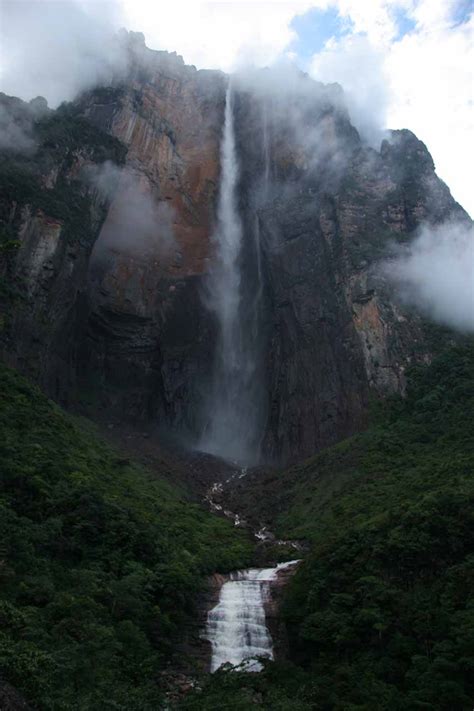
[[16, 134], [304, 116], [17, 123], [57, 49], [357, 65], [137, 223], [436, 274]]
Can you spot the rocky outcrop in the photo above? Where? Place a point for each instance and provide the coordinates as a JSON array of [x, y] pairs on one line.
[[275, 623]]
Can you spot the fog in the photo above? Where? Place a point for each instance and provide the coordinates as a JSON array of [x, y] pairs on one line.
[[304, 123], [15, 135], [357, 65], [57, 49], [137, 223], [436, 274], [17, 123]]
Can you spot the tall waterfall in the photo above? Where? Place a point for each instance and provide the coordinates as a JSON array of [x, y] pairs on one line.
[[236, 627], [230, 413]]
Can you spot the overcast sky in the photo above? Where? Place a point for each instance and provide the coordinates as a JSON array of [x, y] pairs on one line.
[[407, 61]]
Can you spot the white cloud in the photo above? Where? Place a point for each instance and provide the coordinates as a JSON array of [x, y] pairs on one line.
[[423, 81], [218, 35], [430, 74], [358, 66], [436, 274], [56, 49]]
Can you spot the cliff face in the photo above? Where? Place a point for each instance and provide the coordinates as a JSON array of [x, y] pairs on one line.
[[49, 222], [148, 337], [326, 209], [109, 316]]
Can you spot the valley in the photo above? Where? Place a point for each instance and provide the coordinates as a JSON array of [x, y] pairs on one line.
[[236, 454]]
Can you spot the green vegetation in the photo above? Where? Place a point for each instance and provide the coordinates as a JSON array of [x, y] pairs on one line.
[[381, 613], [100, 561], [278, 687]]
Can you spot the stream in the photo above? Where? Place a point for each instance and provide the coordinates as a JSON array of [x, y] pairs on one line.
[[236, 626]]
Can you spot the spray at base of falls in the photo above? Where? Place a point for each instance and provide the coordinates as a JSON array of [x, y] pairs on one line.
[[231, 410], [236, 626]]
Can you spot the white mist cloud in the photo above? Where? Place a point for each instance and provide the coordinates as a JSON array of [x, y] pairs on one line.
[[422, 81], [431, 91], [56, 49], [358, 65], [17, 123], [218, 35], [137, 224], [15, 135], [436, 274]]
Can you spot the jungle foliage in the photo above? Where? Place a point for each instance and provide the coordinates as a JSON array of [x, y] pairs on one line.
[[100, 561]]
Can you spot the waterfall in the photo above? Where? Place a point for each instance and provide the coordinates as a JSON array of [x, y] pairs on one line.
[[236, 626], [266, 149], [230, 416]]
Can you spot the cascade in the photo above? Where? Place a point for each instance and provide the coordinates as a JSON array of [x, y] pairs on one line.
[[236, 626], [230, 416], [266, 150]]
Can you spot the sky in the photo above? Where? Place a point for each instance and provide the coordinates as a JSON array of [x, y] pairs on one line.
[[404, 63]]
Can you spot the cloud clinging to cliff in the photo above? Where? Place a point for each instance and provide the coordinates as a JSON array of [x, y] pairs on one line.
[[56, 49], [436, 274], [137, 224]]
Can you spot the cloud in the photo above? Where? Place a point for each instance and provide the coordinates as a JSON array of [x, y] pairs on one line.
[[57, 49], [436, 274], [430, 79], [17, 123], [218, 35], [358, 65], [299, 129], [422, 80], [137, 224]]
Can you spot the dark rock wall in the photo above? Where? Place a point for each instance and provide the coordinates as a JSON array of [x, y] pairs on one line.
[[49, 222], [328, 210]]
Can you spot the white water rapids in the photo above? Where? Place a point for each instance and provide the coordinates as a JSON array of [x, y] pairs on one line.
[[236, 626]]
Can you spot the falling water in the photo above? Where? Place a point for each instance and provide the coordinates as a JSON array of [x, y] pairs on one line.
[[230, 416], [236, 627], [266, 149]]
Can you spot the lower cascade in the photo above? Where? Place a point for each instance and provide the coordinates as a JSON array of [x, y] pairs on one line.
[[236, 626]]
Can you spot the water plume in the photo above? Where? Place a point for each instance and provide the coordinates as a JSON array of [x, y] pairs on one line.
[[230, 415]]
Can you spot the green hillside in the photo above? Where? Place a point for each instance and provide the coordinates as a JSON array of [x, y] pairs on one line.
[[100, 561]]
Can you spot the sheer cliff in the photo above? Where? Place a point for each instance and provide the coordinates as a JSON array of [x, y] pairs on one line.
[[107, 313]]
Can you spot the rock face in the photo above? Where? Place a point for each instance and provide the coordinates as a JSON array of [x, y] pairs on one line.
[[102, 286], [49, 222], [327, 209], [149, 340], [274, 621]]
